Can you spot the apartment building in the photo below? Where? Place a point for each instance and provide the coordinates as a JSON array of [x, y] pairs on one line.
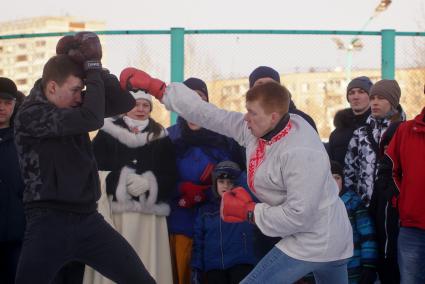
[[22, 59]]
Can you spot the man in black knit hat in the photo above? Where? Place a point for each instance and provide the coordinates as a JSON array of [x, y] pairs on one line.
[[349, 119]]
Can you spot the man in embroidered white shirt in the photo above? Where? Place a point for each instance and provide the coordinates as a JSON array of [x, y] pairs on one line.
[[288, 171]]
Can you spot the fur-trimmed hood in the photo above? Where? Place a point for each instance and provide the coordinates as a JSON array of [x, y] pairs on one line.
[[345, 118], [117, 129]]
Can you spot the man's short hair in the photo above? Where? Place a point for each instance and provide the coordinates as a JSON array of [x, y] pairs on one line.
[[58, 68], [272, 96]]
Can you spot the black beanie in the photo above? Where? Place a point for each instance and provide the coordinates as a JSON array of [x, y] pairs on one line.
[[362, 82], [8, 89], [225, 170], [263, 72], [197, 85], [337, 169]]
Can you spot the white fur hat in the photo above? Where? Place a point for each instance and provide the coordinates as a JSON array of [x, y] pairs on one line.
[[141, 95]]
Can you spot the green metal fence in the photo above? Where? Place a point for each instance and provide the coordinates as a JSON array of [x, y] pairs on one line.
[[316, 66]]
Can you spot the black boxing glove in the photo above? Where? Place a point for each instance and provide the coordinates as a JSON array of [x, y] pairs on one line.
[[89, 51], [65, 44], [83, 48]]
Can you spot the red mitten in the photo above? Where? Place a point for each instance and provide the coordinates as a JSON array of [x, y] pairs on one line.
[[235, 205], [191, 194], [135, 79]]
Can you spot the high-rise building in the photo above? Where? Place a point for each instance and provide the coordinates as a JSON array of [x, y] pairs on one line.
[[22, 59]]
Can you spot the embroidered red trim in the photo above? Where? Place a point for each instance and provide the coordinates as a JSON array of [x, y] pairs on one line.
[[259, 154]]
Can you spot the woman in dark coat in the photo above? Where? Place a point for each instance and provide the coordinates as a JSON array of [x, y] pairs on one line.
[[137, 152]]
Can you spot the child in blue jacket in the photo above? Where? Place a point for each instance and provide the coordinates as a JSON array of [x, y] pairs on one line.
[[362, 266], [223, 251]]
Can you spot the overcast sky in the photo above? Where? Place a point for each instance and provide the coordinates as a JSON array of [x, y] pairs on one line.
[[402, 15], [234, 54]]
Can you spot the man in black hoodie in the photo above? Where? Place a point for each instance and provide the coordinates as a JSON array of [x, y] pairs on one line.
[[60, 173], [349, 119]]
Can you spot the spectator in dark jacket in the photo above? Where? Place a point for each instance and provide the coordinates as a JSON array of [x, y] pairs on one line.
[[362, 158], [383, 210], [263, 74], [140, 157], [222, 250], [362, 266], [12, 219], [198, 150], [349, 119]]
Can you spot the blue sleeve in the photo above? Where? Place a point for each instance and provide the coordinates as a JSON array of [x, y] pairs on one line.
[[198, 242], [366, 230]]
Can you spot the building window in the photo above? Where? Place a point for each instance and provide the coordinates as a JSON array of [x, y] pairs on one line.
[[39, 55], [231, 90], [77, 25], [22, 69], [21, 81], [21, 58], [39, 43], [22, 45]]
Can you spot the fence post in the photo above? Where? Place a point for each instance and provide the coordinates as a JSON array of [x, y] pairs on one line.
[[177, 60], [387, 54]]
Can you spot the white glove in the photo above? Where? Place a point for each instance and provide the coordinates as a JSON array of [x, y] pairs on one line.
[[137, 184]]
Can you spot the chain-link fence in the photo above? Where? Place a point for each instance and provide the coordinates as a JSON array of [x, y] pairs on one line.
[[316, 66]]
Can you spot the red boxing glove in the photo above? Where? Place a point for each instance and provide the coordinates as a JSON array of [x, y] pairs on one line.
[[236, 205], [135, 79], [191, 194]]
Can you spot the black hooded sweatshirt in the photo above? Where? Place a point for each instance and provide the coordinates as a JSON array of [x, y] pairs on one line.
[[55, 153]]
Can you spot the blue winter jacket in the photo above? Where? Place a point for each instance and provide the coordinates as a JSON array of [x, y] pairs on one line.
[[191, 160], [365, 247], [218, 244]]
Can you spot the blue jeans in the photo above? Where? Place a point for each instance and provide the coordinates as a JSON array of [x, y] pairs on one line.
[[277, 267], [411, 255]]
